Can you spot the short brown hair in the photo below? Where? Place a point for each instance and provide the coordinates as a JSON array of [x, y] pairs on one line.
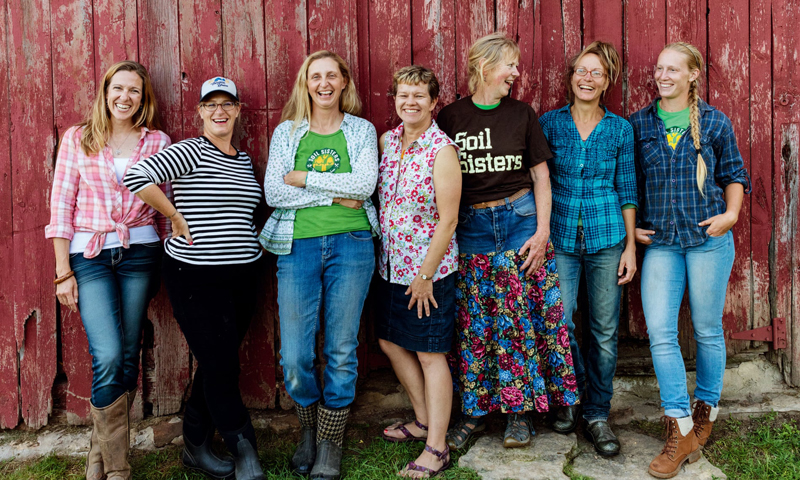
[[609, 58], [416, 75]]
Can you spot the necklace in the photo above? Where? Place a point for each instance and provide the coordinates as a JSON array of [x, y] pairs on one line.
[[118, 150]]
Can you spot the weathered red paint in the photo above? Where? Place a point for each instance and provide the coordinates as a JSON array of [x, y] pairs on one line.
[[786, 189], [750, 47], [32, 145], [9, 366], [728, 90]]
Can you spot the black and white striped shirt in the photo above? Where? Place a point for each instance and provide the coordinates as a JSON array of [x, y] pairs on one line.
[[216, 194]]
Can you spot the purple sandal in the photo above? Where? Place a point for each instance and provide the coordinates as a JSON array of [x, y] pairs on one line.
[[444, 457], [407, 436]]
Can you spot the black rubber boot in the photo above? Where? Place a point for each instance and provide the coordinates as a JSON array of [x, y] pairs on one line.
[[306, 453], [202, 458], [330, 436], [242, 443]]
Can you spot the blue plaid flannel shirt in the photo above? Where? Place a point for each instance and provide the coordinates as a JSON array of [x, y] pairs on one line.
[[669, 200], [592, 178]]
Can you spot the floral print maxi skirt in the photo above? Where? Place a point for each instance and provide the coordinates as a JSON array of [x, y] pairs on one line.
[[512, 345]]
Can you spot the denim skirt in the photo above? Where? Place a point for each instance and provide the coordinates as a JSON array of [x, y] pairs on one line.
[[403, 327]]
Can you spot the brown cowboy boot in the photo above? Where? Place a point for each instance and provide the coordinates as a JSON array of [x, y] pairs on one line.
[[703, 416], [94, 459], [677, 450], [113, 431]]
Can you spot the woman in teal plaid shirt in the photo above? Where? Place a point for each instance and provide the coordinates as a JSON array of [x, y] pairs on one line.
[[592, 227]]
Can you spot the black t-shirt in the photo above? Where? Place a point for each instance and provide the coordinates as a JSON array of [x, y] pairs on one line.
[[497, 147]]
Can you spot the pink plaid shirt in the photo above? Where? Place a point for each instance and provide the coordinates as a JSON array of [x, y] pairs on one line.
[[87, 197]]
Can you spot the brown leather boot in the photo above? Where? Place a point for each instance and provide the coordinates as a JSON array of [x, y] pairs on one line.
[[94, 459], [113, 430], [702, 423], [677, 450]]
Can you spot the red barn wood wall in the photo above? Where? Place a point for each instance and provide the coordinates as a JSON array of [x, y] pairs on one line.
[[54, 53]]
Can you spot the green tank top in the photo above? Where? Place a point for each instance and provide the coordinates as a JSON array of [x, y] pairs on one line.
[[326, 154]]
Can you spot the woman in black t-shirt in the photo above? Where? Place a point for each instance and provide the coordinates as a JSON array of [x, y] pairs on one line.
[[512, 350]]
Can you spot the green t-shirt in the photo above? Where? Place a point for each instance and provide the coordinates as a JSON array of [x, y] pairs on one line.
[[487, 107], [326, 154], [676, 124]]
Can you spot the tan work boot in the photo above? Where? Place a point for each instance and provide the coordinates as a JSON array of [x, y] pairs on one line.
[[113, 430], [702, 414], [94, 459], [677, 450]]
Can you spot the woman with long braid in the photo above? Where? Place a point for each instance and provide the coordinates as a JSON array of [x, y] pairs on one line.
[[690, 193]]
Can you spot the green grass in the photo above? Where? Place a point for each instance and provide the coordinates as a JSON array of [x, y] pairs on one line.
[[366, 457], [761, 448]]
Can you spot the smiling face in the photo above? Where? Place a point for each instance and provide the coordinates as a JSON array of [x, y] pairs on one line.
[[218, 123], [325, 83], [673, 76], [500, 79], [414, 104], [124, 95], [588, 88]]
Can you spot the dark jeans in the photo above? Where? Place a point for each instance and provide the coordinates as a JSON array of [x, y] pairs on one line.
[[114, 289], [213, 305], [604, 298]]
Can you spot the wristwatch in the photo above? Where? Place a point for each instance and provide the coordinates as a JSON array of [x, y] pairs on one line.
[[425, 277]]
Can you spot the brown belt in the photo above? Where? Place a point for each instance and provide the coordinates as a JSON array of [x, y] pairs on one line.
[[502, 201]]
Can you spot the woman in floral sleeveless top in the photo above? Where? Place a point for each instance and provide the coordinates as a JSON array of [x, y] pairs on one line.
[[419, 187]]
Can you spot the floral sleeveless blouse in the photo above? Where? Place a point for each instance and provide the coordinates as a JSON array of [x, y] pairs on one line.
[[408, 213]]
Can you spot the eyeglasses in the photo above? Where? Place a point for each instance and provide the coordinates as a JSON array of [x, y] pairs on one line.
[[212, 107], [581, 72]]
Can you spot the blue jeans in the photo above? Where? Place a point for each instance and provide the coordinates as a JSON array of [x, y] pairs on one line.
[[496, 229], [114, 289], [604, 298], [329, 275], [666, 271]]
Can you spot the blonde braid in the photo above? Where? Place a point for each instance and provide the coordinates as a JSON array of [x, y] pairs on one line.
[[694, 122]]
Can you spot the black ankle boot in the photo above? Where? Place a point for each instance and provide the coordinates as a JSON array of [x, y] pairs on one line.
[[306, 453], [247, 464], [242, 443], [330, 436], [202, 458]]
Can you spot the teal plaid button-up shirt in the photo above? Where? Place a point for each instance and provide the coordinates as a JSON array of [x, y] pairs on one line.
[[591, 179]]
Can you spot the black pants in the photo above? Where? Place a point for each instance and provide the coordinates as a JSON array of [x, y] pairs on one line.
[[213, 305]]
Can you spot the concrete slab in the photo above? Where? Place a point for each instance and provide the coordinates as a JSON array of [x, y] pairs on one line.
[[631, 464], [544, 459]]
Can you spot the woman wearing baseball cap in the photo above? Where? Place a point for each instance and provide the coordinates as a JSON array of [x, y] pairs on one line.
[[210, 271]]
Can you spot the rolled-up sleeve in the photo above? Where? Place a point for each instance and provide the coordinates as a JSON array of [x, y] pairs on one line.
[[66, 180], [730, 165]]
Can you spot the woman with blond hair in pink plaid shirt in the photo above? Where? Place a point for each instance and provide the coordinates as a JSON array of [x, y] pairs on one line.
[[107, 246]]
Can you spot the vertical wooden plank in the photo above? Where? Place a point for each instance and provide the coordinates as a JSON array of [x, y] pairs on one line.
[[333, 25], [688, 22], [244, 57], [73, 94], [603, 21], [200, 58], [389, 51], [9, 362], [645, 32], [537, 70], [159, 51], [474, 19], [784, 286], [286, 47], [554, 56], [363, 75], [515, 18], [433, 43], [115, 34], [760, 146], [32, 145], [729, 91]]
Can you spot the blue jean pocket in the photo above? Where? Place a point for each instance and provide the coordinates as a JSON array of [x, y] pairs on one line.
[[361, 235]]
